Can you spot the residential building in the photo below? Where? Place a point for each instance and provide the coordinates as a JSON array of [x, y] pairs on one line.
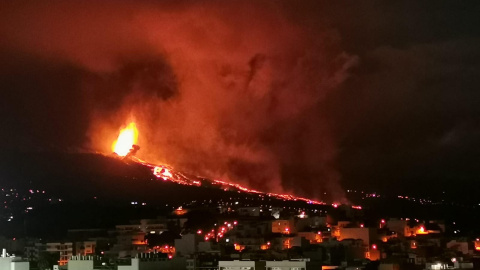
[[302, 264], [10, 262], [368, 235], [64, 249], [241, 265], [151, 261], [282, 226]]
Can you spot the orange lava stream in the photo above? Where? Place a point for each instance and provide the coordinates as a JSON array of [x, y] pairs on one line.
[[128, 138]]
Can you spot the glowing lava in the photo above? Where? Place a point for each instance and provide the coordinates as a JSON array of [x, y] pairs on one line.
[[126, 145], [126, 139], [421, 230]]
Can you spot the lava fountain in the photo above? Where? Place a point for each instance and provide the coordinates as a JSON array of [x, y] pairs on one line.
[[126, 140]]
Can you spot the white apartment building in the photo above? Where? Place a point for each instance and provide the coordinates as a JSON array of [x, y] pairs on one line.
[[241, 265], [8, 262]]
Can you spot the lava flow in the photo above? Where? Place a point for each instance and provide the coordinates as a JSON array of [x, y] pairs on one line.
[[126, 146]]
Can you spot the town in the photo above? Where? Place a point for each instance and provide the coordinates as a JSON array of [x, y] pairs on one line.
[[238, 233]]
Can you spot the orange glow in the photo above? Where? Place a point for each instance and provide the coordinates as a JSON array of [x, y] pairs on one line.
[[421, 230], [165, 249], [180, 211], [226, 186], [126, 139], [287, 244], [238, 247], [139, 242]]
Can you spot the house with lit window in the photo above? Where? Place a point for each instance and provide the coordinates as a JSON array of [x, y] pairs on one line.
[[283, 226], [64, 249], [368, 235]]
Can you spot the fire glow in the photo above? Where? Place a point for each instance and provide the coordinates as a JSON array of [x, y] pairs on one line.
[[421, 230], [126, 146], [127, 138]]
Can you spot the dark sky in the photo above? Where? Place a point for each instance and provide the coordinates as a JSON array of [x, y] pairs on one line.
[[288, 96]]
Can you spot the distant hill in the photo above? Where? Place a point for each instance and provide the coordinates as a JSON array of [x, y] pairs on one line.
[[84, 176]]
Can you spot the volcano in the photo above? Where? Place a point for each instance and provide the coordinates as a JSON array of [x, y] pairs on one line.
[[95, 190], [83, 176], [89, 190], [125, 147]]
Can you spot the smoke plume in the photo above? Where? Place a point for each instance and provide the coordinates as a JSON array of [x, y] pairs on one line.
[[226, 89]]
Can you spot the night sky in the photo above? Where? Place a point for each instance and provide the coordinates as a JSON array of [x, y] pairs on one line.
[[287, 96]]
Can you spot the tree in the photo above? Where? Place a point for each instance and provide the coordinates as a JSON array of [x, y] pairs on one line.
[[46, 260]]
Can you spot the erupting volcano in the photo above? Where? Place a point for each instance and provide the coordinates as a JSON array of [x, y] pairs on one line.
[[126, 146]]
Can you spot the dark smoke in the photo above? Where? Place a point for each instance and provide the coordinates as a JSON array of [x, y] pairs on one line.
[[232, 90]]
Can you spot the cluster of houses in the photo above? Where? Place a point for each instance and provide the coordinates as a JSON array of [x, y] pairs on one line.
[[250, 238]]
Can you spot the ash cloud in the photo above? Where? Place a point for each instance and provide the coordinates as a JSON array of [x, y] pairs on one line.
[[230, 90]]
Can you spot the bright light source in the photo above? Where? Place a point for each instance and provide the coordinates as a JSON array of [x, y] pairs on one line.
[[126, 139]]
